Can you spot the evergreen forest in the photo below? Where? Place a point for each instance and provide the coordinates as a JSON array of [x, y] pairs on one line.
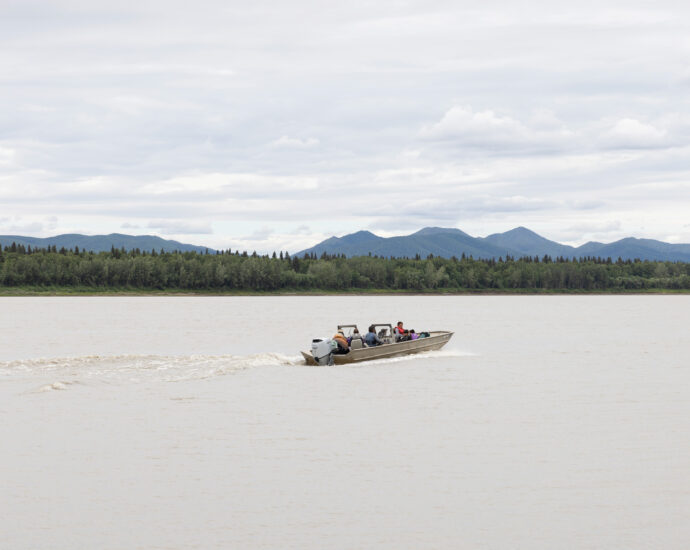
[[230, 271]]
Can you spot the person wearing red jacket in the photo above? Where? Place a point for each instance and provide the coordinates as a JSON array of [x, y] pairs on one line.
[[400, 332]]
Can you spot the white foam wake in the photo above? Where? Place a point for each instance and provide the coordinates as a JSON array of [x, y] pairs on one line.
[[137, 368], [54, 386], [142, 368], [416, 356]]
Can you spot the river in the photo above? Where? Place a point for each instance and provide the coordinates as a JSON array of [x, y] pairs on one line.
[[191, 422]]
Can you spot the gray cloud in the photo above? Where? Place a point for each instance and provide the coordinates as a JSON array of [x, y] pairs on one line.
[[177, 227], [22, 228], [595, 227], [27, 226], [295, 143], [260, 234]]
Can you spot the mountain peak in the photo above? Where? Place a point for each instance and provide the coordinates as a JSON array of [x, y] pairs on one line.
[[362, 233], [437, 230], [359, 237], [521, 230]]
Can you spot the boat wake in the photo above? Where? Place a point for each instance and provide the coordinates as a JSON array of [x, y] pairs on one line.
[[140, 368], [438, 354], [67, 371]]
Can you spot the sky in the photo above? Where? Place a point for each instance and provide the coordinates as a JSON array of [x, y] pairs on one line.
[[271, 125]]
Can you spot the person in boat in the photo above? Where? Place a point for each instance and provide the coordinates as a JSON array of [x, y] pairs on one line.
[[343, 346], [413, 334], [355, 336], [400, 333], [371, 339]]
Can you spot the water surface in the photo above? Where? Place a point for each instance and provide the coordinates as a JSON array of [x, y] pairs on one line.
[[175, 422]]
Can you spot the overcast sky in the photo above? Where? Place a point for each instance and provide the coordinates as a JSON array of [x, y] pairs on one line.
[[270, 125]]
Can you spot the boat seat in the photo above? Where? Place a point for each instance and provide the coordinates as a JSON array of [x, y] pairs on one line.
[[356, 343]]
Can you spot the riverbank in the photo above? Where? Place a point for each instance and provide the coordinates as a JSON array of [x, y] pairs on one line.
[[103, 291]]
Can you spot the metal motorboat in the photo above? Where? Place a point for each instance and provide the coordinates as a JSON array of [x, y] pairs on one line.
[[324, 351]]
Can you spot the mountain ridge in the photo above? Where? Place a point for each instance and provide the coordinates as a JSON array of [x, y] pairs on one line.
[[517, 242], [103, 243], [439, 241]]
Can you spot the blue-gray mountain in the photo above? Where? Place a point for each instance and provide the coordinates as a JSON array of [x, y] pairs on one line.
[[518, 242], [102, 243]]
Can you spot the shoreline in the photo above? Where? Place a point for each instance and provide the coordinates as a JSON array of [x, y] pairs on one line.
[[7, 292]]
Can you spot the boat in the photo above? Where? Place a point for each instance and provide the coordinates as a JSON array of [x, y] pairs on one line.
[[361, 352]]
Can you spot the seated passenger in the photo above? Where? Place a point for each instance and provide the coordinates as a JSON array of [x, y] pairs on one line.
[[371, 339], [413, 334], [400, 333], [343, 346], [356, 336]]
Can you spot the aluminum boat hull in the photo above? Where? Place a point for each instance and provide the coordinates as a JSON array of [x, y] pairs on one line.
[[436, 340]]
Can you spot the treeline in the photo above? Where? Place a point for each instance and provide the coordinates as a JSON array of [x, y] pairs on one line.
[[231, 270]]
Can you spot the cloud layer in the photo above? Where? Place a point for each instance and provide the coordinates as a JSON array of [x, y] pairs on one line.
[[274, 125]]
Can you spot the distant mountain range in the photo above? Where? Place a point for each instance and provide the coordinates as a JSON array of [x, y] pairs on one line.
[[518, 242], [103, 243], [439, 241]]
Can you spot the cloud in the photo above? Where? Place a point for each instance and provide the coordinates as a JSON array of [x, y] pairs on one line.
[[128, 225], [406, 114], [238, 185], [28, 225], [260, 234], [490, 131], [629, 133], [476, 127], [22, 228], [295, 143], [7, 156], [592, 230], [542, 130], [595, 227], [51, 222], [585, 204], [392, 226], [454, 208], [180, 227]]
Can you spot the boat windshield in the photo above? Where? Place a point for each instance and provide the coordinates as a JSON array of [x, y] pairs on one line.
[[384, 331], [348, 330]]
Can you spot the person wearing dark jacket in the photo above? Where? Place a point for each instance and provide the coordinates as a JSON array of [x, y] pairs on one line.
[[371, 339]]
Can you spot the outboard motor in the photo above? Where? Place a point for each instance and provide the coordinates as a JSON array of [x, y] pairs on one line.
[[322, 350]]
